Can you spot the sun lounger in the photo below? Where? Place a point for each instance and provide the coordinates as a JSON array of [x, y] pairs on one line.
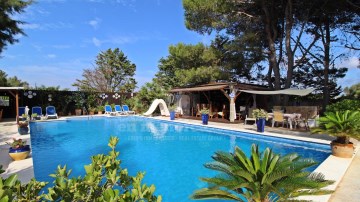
[[51, 113], [127, 110], [108, 110], [36, 110], [119, 111]]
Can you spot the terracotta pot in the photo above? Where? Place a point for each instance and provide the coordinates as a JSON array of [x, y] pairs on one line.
[[91, 113], [99, 112], [342, 150], [77, 112]]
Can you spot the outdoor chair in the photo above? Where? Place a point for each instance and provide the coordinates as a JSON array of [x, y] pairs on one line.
[[108, 110], [119, 111], [36, 110], [51, 112], [198, 110], [127, 110], [279, 117], [249, 116], [21, 112], [241, 112], [213, 113]]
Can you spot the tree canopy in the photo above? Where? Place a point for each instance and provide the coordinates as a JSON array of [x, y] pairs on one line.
[[113, 73], [285, 33], [9, 26], [11, 81]]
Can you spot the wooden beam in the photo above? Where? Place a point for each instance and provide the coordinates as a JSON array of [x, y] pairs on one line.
[[17, 106], [226, 95]]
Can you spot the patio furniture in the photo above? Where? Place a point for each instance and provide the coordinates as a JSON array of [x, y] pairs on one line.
[[127, 110], [36, 110], [290, 118], [198, 110], [119, 110], [242, 110], [108, 110], [249, 116], [51, 112], [278, 116]]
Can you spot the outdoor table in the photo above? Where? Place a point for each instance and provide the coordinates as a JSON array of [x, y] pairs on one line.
[[290, 117]]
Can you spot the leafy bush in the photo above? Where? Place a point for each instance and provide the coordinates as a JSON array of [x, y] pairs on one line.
[[104, 180], [341, 125], [264, 176], [344, 105]]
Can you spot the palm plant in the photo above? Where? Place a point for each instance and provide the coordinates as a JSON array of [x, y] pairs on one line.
[[342, 125], [262, 177]]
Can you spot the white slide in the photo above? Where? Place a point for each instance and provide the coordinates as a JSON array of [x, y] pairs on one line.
[[163, 108]]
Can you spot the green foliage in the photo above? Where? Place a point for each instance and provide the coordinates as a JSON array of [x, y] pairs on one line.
[[260, 113], [204, 111], [343, 105], [113, 73], [353, 91], [104, 180], [172, 108], [147, 93], [17, 143], [10, 22], [196, 61], [343, 125], [261, 177], [200, 75], [11, 81]]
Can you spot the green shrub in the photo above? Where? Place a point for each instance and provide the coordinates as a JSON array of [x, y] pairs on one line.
[[264, 176], [104, 180], [343, 105]]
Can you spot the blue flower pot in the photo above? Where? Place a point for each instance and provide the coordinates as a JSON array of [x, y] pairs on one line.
[[172, 115], [19, 153], [260, 125], [205, 118], [23, 130]]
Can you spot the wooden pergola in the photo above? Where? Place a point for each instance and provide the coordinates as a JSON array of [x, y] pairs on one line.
[[234, 89], [14, 91]]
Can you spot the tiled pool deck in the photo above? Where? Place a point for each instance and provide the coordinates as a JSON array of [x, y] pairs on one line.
[[333, 168]]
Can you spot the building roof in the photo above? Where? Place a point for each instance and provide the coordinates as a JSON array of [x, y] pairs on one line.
[[11, 88], [218, 86]]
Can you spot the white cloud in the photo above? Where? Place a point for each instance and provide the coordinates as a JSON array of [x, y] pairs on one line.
[[51, 56], [95, 23], [352, 62], [96, 42], [30, 26]]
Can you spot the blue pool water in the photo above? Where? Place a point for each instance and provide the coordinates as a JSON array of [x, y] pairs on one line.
[[172, 154]]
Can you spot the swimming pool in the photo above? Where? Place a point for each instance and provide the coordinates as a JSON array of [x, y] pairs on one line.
[[172, 154]]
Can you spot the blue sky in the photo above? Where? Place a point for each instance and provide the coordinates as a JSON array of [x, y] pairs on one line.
[[65, 36]]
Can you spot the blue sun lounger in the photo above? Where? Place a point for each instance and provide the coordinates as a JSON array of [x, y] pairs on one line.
[[119, 111], [108, 110], [51, 112], [36, 110], [127, 110]]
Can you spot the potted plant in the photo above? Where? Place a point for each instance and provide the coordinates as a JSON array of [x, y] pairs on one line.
[[18, 150], [92, 110], [100, 109], [204, 116], [172, 109], [342, 125], [35, 116], [261, 116], [23, 126]]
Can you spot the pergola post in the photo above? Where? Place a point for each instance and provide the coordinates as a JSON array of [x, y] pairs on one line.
[[17, 106]]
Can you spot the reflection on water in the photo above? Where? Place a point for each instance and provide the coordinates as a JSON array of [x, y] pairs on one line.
[[157, 132]]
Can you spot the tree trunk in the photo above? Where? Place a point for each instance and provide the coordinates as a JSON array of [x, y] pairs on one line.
[[290, 55], [326, 43], [271, 34]]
